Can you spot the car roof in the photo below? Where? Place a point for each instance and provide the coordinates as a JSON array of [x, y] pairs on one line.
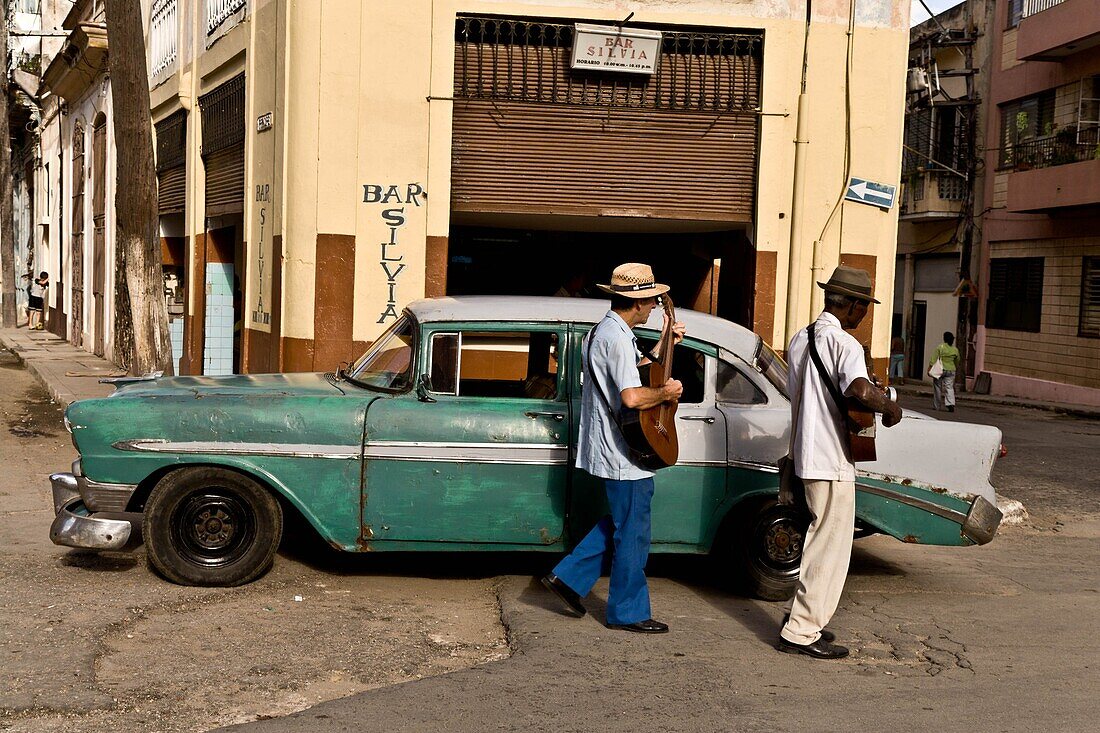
[[701, 326]]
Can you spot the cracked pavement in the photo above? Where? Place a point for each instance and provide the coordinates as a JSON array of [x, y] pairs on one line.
[[993, 638]]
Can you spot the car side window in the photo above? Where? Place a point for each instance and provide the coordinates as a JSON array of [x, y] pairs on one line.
[[734, 387], [689, 366], [513, 364]]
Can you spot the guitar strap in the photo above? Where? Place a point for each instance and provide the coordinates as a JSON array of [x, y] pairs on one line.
[[838, 399]]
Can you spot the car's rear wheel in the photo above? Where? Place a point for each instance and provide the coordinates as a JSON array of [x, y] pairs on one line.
[[211, 526], [764, 546]]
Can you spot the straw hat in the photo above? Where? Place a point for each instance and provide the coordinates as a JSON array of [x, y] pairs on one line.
[[633, 280], [850, 281]]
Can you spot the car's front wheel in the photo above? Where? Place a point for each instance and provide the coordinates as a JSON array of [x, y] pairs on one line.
[[765, 548], [211, 526]]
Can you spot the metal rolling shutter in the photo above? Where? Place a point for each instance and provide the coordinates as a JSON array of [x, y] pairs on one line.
[[223, 147], [172, 163], [533, 136]]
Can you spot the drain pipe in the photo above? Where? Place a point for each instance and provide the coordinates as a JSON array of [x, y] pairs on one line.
[[794, 261]]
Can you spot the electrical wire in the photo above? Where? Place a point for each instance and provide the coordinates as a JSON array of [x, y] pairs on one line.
[[847, 118]]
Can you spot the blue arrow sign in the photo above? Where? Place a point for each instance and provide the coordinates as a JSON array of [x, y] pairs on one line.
[[870, 193]]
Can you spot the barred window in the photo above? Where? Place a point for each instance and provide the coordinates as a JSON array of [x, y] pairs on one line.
[[1015, 294], [1090, 297], [529, 61], [223, 116], [172, 141]]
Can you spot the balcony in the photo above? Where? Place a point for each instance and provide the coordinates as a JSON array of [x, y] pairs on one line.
[[219, 11], [1054, 172], [932, 196], [163, 37], [1052, 30]]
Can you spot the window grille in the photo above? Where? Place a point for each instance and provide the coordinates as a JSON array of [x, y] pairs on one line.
[[223, 116], [1023, 123], [1089, 324], [172, 141], [1015, 294], [951, 187], [529, 61], [163, 35], [218, 11]]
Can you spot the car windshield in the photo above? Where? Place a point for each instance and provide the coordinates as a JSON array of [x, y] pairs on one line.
[[772, 366], [387, 364]]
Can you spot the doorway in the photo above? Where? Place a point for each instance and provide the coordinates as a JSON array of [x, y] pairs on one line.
[[917, 326], [712, 272], [99, 235]]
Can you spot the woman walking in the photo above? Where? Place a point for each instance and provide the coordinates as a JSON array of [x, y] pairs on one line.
[[943, 383]]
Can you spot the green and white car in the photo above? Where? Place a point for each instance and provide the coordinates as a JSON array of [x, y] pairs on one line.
[[456, 431]]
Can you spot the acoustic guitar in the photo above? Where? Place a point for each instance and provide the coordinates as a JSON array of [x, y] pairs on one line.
[[651, 433], [861, 431]]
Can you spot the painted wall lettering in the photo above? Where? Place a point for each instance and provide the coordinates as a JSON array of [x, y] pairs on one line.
[[390, 254], [261, 314]]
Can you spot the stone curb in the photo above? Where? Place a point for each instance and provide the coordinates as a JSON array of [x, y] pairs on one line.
[[1090, 413]]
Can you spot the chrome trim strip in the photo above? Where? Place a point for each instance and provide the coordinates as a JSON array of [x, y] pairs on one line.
[[702, 463], [753, 466], [550, 454], [277, 450], [928, 506], [530, 454]]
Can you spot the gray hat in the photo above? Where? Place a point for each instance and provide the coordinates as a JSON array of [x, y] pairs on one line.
[[850, 281]]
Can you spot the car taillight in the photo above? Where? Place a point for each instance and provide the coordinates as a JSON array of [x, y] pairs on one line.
[[1004, 451]]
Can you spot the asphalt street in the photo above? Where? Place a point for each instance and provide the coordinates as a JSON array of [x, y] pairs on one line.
[[992, 638]]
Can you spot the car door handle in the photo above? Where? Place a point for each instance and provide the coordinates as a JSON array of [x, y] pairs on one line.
[[704, 418], [558, 416]]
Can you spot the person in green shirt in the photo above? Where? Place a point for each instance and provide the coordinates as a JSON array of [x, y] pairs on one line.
[[943, 386]]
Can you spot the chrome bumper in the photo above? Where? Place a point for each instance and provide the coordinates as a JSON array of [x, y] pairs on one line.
[[982, 521], [75, 526]]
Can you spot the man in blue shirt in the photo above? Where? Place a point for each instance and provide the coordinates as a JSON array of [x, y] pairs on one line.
[[611, 381]]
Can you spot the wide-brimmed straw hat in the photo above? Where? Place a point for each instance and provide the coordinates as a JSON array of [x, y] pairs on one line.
[[633, 280], [850, 281]]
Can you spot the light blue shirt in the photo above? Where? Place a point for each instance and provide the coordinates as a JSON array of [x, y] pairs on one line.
[[601, 447]]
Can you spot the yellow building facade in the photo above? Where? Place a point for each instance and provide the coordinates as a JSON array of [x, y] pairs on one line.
[[324, 163]]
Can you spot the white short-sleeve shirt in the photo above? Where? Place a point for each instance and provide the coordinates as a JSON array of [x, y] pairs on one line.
[[818, 446]]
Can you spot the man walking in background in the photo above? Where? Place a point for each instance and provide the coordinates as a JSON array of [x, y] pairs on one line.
[[943, 386]]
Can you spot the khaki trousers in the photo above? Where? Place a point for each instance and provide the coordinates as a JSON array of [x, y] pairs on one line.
[[826, 553]]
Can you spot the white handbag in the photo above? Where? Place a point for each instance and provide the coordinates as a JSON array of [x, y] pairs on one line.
[[936, 370]]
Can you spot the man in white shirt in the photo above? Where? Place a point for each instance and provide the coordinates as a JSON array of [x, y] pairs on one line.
[[819, 448]]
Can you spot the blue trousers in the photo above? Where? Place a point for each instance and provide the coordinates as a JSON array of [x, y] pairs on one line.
[[625, 535]]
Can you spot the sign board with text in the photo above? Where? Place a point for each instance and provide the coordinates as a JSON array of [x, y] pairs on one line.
[[610, 48]]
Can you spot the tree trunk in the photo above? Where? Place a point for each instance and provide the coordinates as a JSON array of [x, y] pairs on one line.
[[140, 308], [7, 224]]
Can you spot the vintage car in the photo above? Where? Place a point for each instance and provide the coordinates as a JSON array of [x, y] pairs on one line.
[[456, 430]]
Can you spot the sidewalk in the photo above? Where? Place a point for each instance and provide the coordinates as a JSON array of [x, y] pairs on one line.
[[925, 390], [68, 373]]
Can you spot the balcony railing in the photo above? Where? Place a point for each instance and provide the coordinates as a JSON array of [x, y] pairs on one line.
[[1031, 7], [163, 36], [218, 11], [1052, 150]]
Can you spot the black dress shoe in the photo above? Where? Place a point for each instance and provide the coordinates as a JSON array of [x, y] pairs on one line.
[[826, 635], [649, 626], [567, 595], [820, 649]]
